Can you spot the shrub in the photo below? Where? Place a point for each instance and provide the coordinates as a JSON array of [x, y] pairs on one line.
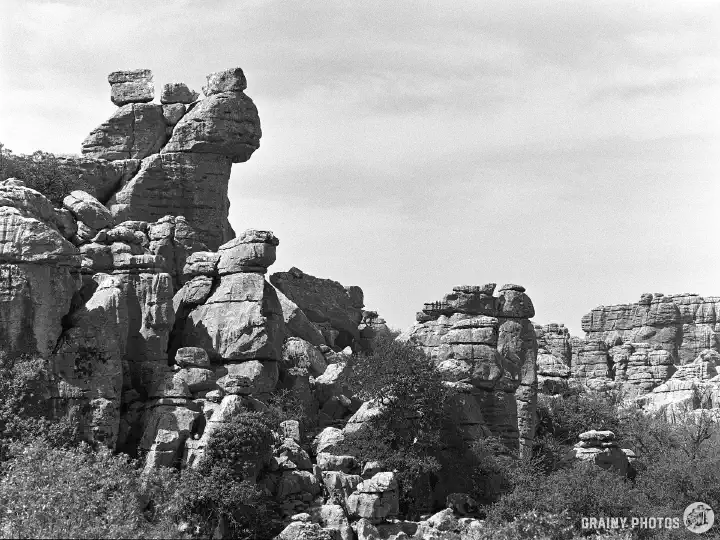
[[284, 404], [565, 417], [489, 471], [24, 410], [47, 492], [581, 490], [244, 444], [215, 497], [41, 171], [532, 525]]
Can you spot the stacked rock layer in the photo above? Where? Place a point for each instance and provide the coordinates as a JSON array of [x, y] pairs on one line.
[[149, 160], [486, 347]]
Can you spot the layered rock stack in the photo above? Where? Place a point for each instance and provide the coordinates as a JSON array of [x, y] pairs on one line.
[[641, 345], [486, 347], [553, 359], [149, 160], [692, 392], [600, 448]]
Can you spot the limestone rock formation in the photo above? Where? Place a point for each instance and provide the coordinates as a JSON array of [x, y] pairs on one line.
[[225, 123], [375, 499], [600, 448], [371, 327], [151, 160], [487, 347], [98, 177], [39, 269], [641, 345], [554, 358]]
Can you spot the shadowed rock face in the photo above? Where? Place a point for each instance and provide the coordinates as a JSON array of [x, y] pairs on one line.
[[191, 185], [486, 346]]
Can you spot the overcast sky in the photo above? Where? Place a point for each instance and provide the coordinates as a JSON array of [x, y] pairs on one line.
[[571, 147]]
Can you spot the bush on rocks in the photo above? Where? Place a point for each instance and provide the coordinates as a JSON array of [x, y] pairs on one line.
[[408, 434], [40, 171], [24, 411], [245, 443]]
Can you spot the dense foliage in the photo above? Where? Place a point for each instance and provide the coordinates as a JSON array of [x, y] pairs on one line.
[[25, 412], [41, 171], [52, 486], [410, 429], [48, 492]]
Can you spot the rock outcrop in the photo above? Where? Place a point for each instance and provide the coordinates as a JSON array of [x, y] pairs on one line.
[[553, 359], [486, 346], [39, 268], [641, 345], [600, 449], [151, 160]]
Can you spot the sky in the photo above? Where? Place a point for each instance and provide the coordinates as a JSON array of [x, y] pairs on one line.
[[571, 147]]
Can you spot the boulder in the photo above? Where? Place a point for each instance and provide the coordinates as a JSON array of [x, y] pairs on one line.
[[192, 357], [247, 378], [298, 353], [376, 499], [86, 208], [223, 124], [241, 320], [133, 86], [229, 80], [252, 251], [324, 301], [134, 131]]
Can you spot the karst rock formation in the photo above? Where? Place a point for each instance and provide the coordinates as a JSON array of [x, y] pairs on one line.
[[158, 324], [486, 346], [663, 350]]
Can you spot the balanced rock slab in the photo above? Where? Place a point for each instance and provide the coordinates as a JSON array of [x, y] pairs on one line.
[[132, 86], [182, 184]]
